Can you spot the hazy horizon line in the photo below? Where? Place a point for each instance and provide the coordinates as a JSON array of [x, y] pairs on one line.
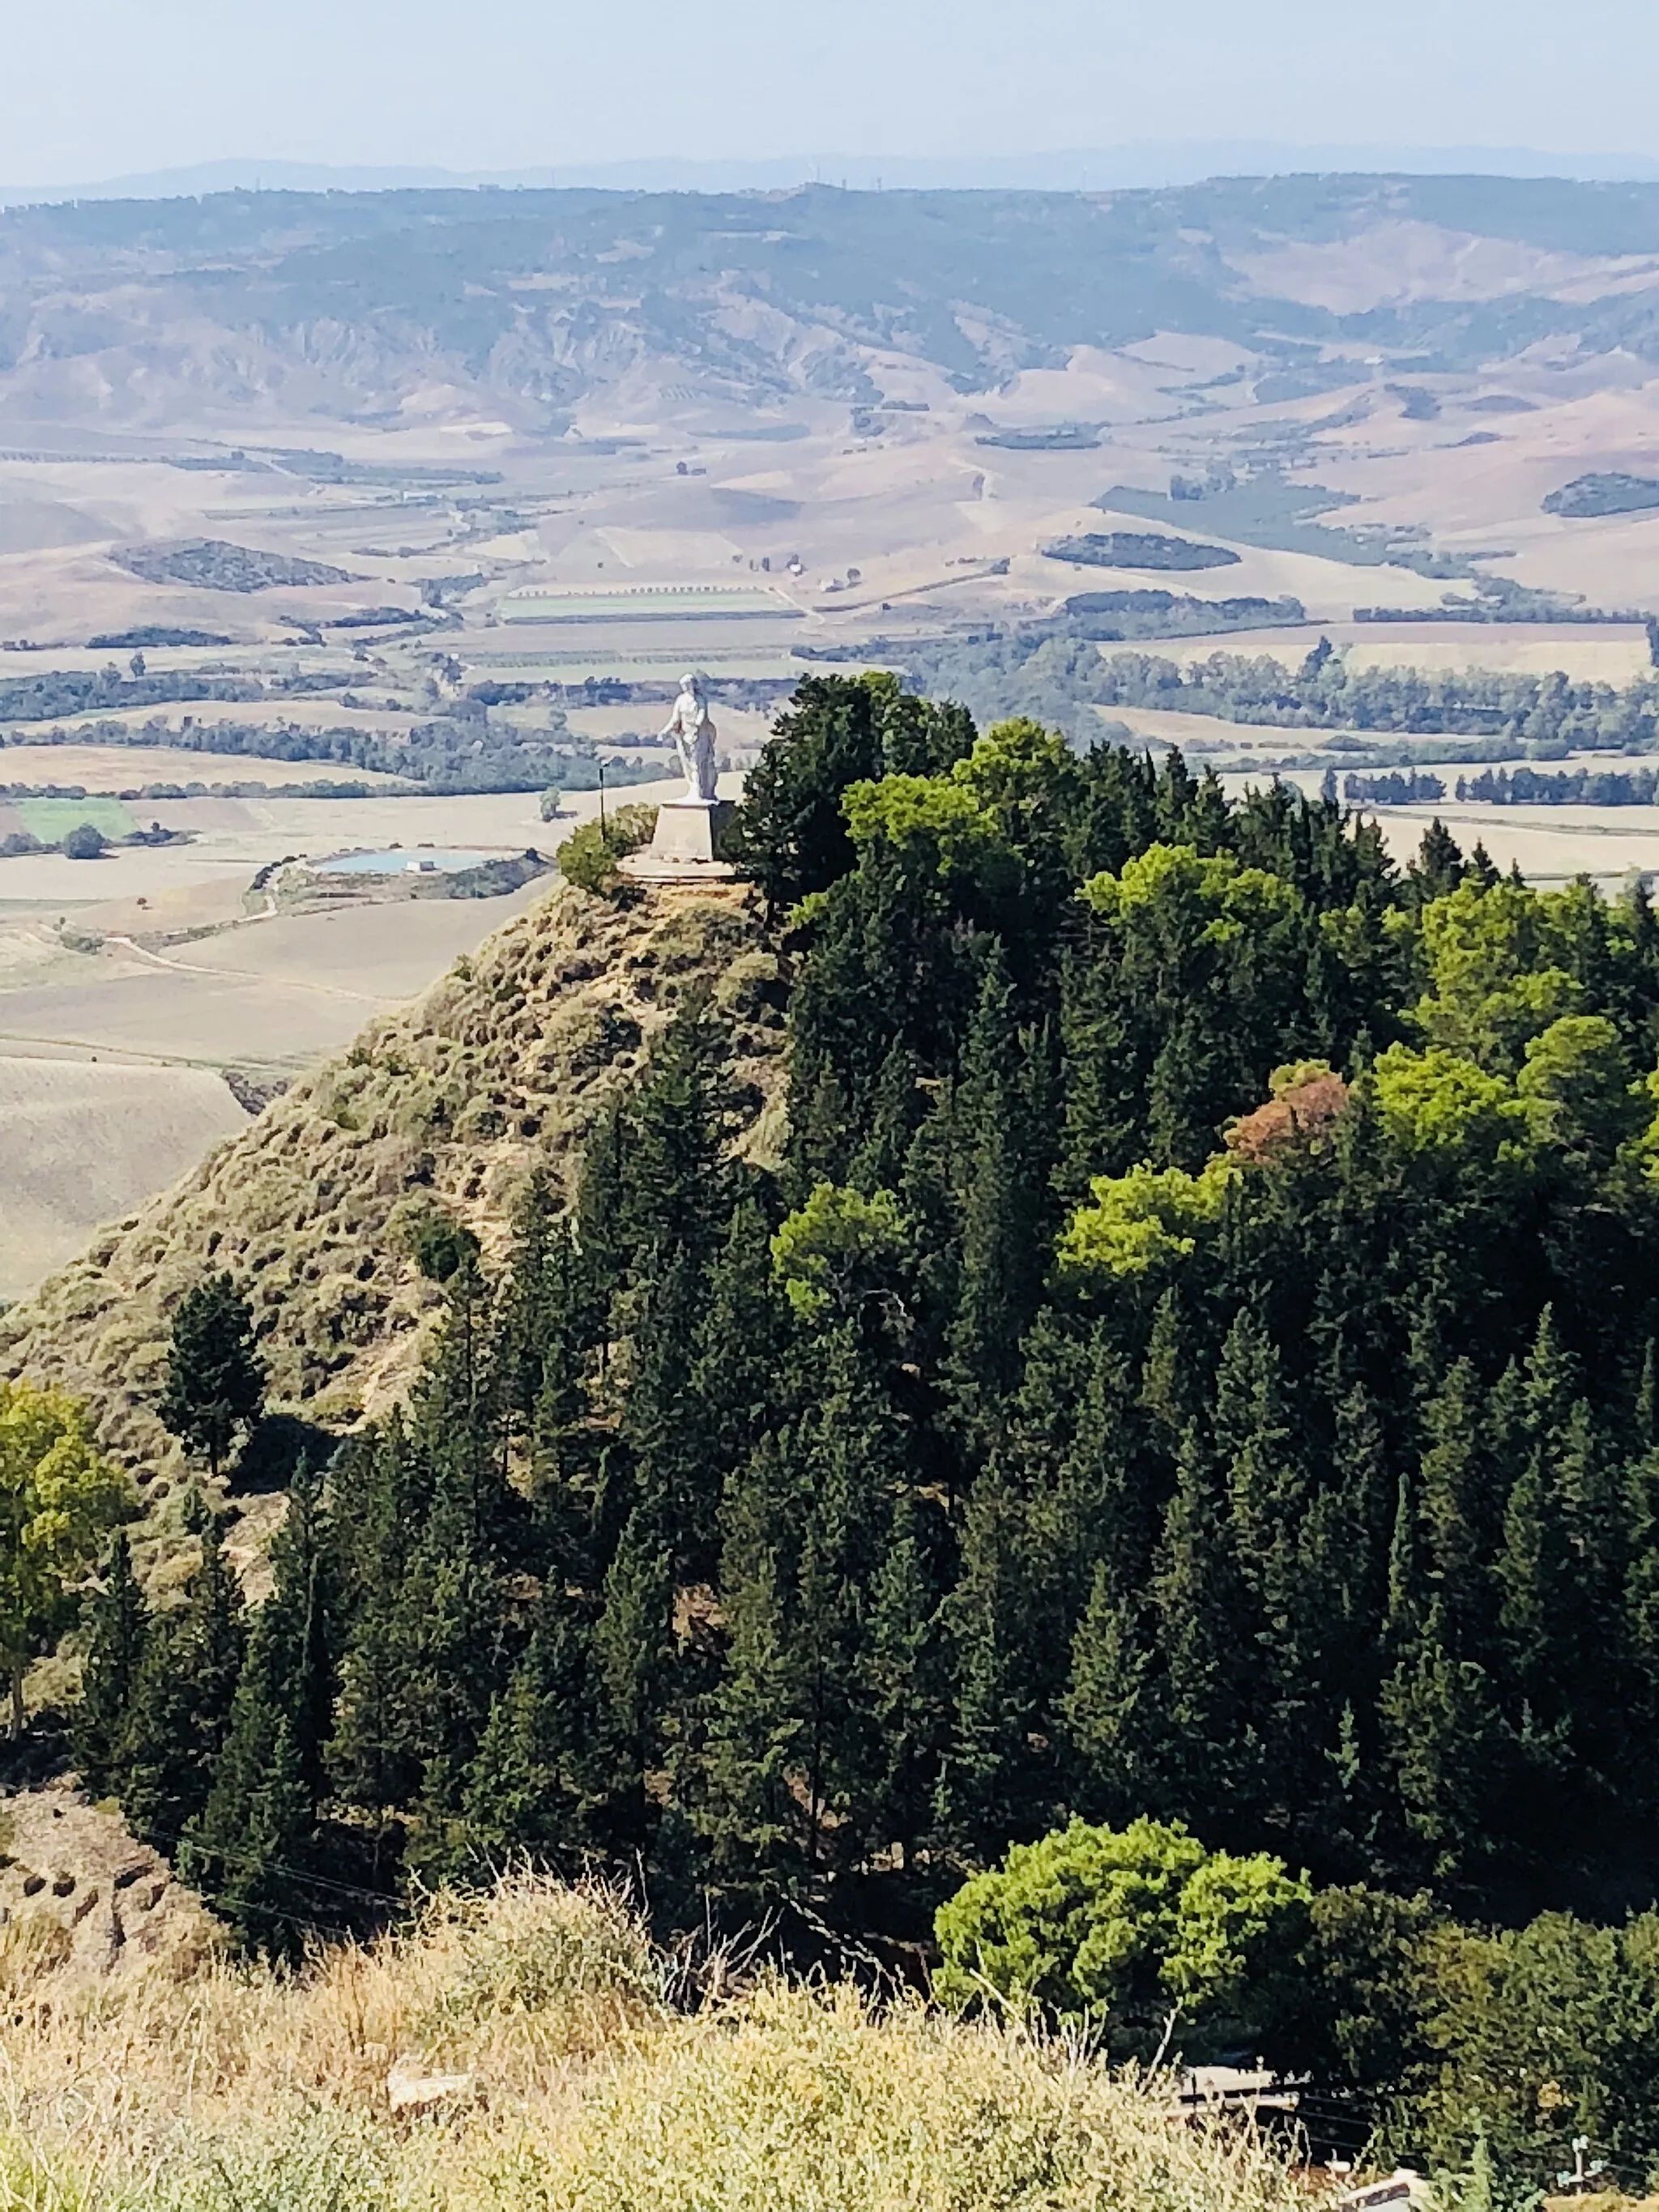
[[1138, 166]]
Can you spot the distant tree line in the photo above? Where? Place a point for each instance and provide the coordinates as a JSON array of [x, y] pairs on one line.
[[1068, 684], [1327, 693], [1581, 786], [1411, 786]]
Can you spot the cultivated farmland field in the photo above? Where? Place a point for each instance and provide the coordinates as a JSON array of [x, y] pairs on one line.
[[131, 985], [82, 1142]]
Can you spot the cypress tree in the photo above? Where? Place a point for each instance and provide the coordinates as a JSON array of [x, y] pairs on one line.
[[182, 1697], [994, 1784], [214, 1379], [633, 1649], [746, 1808], [1105, 1706], [101, 1726]]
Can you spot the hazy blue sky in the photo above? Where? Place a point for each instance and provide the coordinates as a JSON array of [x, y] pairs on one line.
[[89, 88]]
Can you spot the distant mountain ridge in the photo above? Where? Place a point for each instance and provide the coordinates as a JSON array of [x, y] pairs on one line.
[[1149, 164], [153, 312]]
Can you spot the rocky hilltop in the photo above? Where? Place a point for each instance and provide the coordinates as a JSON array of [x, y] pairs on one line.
[[502, 1067]]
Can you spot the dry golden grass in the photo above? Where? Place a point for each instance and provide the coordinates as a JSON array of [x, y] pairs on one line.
[[586, 2090]]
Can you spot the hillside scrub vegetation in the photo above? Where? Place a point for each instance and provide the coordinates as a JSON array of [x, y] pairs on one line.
[[567, 2065], [1183, 1355]]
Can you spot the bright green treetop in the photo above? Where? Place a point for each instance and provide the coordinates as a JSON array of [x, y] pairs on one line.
[[58, 1498], [1118, 1928]]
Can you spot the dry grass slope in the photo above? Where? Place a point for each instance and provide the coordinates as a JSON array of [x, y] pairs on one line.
[[576, 2084], [503, 1065]]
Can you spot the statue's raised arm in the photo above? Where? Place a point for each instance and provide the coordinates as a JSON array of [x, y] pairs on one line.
[[693, 731]]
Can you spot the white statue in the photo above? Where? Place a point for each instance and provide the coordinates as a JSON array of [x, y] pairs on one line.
[[693, 733]]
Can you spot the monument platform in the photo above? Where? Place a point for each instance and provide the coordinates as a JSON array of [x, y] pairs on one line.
[[687, 847]]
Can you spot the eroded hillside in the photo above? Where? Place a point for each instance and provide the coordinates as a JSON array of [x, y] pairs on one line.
[[503, 1065]]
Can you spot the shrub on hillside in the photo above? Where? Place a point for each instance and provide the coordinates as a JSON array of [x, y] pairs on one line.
[[589, 855], [439, 1246]]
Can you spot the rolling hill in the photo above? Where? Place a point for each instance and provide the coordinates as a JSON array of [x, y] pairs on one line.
[[503, 1065]]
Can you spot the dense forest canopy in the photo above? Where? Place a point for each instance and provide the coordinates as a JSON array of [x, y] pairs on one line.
[[1191, 1355]]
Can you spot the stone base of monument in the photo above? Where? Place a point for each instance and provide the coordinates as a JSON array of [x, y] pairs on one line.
[[690, 833]]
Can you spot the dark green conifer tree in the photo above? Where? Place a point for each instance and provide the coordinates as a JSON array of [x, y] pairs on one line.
[[1104, 1708], [994, 1786], [101, 1726], [1004, 1112], [182, 1698], [1206, 1745], [633, 1649], [746, 1808], [215, 1382]]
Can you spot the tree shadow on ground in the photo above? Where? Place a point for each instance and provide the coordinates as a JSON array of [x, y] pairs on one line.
[[278, 1443]]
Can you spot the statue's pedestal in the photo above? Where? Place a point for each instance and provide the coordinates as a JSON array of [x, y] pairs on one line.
[[687, 847]]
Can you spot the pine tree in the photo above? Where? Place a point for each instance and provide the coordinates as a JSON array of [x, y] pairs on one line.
[[1273, 1512], [1206, 1746], [182, 1697], [109, 1680], [898, 1107], [1005, 1111], [1167, 1377], [904, 1668], [1440, 865], [1461, 1509], [1104, 1707], [422, 1578], [538, 1784], [746, 1808], [254, 1864], [599, 1236], [504, 1797], [1447, 1748], [791, 831], [214, 1379], [301, 1622], [632, 1649], [1535, 1569], [741, 1339], [1645, 1413], [993, 1786], [250, 1847], [851, 1467]]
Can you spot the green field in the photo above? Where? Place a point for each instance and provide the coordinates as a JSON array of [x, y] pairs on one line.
[[51, 819]]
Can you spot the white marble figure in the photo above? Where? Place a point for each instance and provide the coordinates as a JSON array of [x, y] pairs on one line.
[[693, 733]]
